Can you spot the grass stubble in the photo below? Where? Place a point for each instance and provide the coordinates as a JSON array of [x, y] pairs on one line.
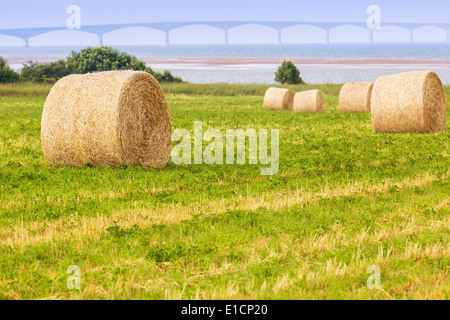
[[344, 199]]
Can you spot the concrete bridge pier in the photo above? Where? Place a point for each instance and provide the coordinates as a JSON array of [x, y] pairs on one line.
[[225, 37], [99, 40], [166, 39], [25, 43]]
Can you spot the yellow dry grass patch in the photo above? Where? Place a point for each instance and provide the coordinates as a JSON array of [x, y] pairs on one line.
[[389, 230], [92, 227], [83, 228], [417, 251]]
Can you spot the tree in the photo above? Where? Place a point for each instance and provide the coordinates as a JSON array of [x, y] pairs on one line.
[[108, 59], [6, 73], [45, 72], [288, 73], [103, 59], [86, 61]]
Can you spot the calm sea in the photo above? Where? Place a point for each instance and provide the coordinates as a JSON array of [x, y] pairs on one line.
[[264, 73]]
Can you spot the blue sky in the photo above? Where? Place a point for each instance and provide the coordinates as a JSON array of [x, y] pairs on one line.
[[42, 13], [53, 13]]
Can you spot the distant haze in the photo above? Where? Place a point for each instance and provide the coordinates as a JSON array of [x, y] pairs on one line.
[[49, 13]]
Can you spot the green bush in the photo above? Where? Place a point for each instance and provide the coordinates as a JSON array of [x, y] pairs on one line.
[[86, 61], [7, 75], [104, 59], [288, 73], [45, 72], [108, 59]]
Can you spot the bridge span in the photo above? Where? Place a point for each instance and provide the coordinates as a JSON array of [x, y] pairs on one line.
[[279, 26]]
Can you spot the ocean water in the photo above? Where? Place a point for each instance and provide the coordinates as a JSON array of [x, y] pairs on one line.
[[310, 73], [264, 73]]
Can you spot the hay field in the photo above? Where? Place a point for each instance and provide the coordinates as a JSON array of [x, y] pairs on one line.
[[344, 199]]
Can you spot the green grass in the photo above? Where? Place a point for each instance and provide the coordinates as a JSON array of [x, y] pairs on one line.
[[222, 89], [24, 89], [344, 199], [213, 89]]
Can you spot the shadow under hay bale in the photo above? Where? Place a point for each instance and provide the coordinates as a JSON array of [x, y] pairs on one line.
[[309, 101], [355, 97], [278, 99], [409, 102], [109, 119]]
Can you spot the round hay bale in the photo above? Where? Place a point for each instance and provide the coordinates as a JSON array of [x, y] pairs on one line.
[[278, 99], [355, 97], [108, 119], [309, 101], [409, 102]]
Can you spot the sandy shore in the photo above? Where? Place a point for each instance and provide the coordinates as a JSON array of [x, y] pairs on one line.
[[240, 61]]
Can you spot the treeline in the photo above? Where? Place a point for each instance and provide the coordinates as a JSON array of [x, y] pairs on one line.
[[86, 61]]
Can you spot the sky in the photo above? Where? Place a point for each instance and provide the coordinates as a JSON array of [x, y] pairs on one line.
[[16, 14], [48, 13]]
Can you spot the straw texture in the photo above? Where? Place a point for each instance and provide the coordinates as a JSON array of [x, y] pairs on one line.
[[278, 99], [409, 102], [108, 119], [309, 101], [355, 97]]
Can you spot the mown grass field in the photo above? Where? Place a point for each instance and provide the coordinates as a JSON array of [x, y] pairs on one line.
[[344, 199]]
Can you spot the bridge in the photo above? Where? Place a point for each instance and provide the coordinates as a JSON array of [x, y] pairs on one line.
[[167, 27]]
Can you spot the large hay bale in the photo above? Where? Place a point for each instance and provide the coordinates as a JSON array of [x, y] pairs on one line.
[[278, 99], [413, 101], [355, 97], [108, 119], [309, 101]]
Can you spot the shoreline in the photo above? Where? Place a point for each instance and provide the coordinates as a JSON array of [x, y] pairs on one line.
[[313, 61], [247, 61]]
